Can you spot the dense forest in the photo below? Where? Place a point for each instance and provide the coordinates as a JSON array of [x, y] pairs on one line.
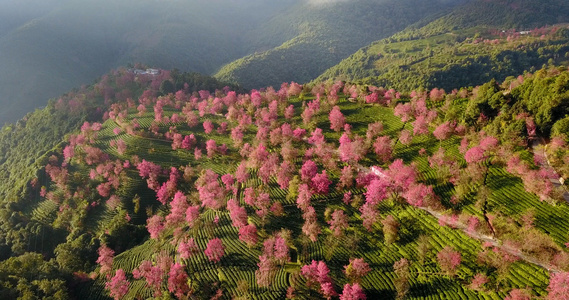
[[468, 46]]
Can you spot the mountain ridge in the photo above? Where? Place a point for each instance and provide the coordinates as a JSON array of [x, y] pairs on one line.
[[446, 34]]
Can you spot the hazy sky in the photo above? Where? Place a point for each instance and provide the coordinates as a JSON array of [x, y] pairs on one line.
[[320, 2]]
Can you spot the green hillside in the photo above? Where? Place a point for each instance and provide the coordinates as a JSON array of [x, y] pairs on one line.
[[451, 214], [321, 36], [474, 43]]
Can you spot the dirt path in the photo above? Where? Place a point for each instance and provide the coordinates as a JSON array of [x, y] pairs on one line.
[[481, 237], [494, 241], [542, 153], [475, 235]]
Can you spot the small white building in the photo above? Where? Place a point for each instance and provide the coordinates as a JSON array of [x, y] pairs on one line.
[[152, 71], [145, 72]]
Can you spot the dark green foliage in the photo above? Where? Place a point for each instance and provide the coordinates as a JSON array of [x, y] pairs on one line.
[[198, 82], [167, 87], [29, 275], [78, 253], [546, 97], [455, 50], [561, 127], [486, 102]]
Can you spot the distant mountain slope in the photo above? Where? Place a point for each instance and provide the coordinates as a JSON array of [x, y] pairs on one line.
[[325, 34], [62, 44], [15, 13], [521, 14], [450, 51]]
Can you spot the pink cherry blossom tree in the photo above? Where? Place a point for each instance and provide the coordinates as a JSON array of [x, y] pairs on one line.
[[304, 195], [373, 130], [443, 131], [308, 171], [248, 234], [155, 226], [321, 183], [347, 178], [237, 213], [241, 174], [337, 119], [284, 174], [338, 223], [377, 190], [474, 155], [318, 273], [419, 194], [558, 286], [215, 250], [352, 292], [405, 137], [178, 281], [383, 148], [187, 248], [118, 285], [211, 148], [478, 282], [289, 112], [517, 294], [192, 215], [420, 126], [310, 228], [178, 208], [266, 271], [369, 215], [152, 274], [208, 126], [448, 260], [105, 259], [211, 193]]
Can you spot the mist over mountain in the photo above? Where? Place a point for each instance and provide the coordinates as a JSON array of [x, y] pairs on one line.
[[48, 47], [325, 32]]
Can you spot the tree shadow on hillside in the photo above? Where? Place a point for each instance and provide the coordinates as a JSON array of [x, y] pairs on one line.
[[421, 290], [380, 294], [409, 232], [496, 182], [239, 260]]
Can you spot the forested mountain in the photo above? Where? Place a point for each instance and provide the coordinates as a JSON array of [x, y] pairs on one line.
[[50, 47], [322, 36], [475, 42]]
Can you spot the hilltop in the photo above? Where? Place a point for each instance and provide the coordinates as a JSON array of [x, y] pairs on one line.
[[186, 191]]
